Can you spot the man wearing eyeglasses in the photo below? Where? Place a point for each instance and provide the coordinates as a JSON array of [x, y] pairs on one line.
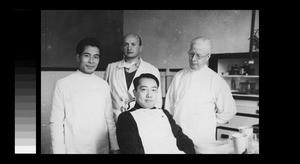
[[198, 98]]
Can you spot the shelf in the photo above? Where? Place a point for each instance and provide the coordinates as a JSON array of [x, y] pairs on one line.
[[243, 76], [221, 63], [245, 95], [252, 97]]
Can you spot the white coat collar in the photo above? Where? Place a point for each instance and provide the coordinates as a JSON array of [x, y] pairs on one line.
[[123, 64], [84, 74], [205, 67]]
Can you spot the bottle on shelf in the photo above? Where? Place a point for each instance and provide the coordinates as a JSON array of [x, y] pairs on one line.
[[241, 70], [235, 70], [252, 71], [248, 69], [233, 84], [231, 70]]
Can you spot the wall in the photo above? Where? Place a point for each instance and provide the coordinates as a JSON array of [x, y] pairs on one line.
[[166, 34], [61, 30]]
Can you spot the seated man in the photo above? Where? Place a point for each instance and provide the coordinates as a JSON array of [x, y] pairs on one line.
[[146, 129]]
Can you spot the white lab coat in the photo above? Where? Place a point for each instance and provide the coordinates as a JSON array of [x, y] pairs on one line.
[[198, 101], [81, 120], [115, 77]]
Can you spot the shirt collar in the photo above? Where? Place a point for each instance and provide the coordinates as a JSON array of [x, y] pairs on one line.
[[137, 106], [123, 64], [85, 74], [203, 68]]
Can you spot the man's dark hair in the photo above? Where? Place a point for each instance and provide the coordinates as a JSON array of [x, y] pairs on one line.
[[87, 42], [136, 81]]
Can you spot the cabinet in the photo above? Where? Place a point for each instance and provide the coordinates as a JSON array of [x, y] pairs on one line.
[[246, 85], [245, 92]]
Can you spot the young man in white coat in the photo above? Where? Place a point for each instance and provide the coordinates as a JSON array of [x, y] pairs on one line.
[[81, 120], [198, 98], [120, 75]]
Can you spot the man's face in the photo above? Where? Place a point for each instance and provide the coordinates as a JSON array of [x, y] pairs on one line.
[[131, 47], [199, 55], [88, 60], [146, 93]]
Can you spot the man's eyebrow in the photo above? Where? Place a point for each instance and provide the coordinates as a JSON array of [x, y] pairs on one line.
[[143, 86], [90, 53]]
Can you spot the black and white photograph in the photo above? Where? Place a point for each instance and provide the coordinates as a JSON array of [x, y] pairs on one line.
[[149, 82]]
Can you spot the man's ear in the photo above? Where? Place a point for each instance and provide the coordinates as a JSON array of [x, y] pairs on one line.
[[208, 56], [122, 48], [141, 48], [134, 92], [78, 58]]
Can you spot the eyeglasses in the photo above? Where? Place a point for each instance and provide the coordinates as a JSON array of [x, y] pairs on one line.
[[191, 54]]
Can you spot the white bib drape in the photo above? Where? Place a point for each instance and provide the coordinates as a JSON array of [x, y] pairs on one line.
[[155, 132]]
